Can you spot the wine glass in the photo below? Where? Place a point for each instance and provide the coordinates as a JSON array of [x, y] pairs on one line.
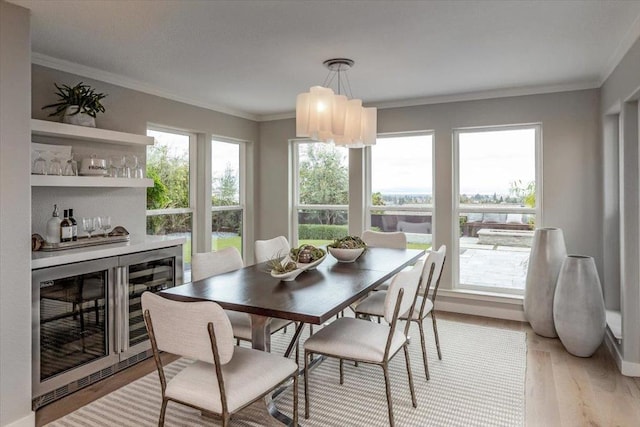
[[105, 224], [39, 164], [88, 225], [55, 166], [71, 167]]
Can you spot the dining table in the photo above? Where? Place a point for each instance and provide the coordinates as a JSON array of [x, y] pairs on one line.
[[314, 297]]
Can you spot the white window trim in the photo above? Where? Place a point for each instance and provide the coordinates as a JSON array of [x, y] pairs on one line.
[[457, 210], [295, 187], [192, 182], [369, 188], [242, 187]]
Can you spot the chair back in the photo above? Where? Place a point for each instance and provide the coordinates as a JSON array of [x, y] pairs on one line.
[[377, 239], [207, 264], [437, 258], [409, 282], [272, 248], [181, 327]]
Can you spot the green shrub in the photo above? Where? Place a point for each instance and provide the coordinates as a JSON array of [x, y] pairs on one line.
[[321, 232]]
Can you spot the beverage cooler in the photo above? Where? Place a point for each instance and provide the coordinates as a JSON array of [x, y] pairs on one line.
[[88, 321]]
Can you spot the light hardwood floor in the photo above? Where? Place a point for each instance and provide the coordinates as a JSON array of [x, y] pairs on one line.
[[561, 390]]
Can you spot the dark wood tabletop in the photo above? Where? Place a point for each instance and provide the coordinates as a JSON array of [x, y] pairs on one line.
[[313, 297]]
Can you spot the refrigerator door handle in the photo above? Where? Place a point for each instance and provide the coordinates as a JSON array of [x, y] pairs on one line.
[[117, 327], [124, 324]]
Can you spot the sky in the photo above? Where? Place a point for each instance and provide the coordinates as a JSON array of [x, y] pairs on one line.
[[489, 161]]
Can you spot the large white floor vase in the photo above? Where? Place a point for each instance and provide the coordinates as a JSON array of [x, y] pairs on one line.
[[548, 251], [578, 306]]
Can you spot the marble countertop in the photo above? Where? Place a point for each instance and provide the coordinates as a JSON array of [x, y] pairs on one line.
[[136, 244]]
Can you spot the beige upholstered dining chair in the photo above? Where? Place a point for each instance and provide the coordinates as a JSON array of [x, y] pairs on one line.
[[224, 378], [272, 248], [378, 239], [209, 264], [374, 305], [364, 341]]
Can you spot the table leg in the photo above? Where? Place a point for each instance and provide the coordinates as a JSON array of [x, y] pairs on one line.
[[261, 340], [260, 332]]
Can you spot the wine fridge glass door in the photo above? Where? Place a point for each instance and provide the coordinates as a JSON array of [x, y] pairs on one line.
[[72, 322]]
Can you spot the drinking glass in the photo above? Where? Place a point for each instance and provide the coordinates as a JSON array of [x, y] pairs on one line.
[[88, 225], [105, 224], [55, 166], [114, 172], [39, 164], [124, 170], [137, 171]]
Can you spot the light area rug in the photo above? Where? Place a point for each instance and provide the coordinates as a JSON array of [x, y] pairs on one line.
[[480, 381]]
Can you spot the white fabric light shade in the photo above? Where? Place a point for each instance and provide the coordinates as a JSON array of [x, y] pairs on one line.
[[321, 115]]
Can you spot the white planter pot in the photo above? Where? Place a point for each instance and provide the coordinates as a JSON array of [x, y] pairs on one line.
[[80, 119], [578, 306], [548, 251]]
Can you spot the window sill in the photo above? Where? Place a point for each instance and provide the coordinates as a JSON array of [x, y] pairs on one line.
[[478, 303], [502, 298]]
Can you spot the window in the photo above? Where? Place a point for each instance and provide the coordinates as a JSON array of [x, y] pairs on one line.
[[400, 192], [170, 201], [321, 189], [227, 199], [496, 201]]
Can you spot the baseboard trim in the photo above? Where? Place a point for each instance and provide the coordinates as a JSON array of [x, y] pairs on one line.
[[473, 306], [28, 421], [626, 368]]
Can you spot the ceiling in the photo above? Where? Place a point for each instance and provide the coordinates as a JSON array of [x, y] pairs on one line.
[[251, 58]]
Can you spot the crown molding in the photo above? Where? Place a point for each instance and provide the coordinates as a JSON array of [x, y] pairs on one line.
[[470, 96], [116, 79], [105, 76], [488, 94], [623, 47]]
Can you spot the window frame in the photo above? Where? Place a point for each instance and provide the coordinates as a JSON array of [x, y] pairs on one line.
[[368, 190], [295, 185], [242, 186], [457, 210], [193, 144]]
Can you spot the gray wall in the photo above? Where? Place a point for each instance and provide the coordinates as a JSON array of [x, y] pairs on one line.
[[127, 111], [571, 161], [15, 248], [620, 115]]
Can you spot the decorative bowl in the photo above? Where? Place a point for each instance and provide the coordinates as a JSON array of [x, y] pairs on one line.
[[288, 276], [345, 255]]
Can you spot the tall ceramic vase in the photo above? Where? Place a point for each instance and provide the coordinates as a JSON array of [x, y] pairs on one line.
[[578, 306], [548, 251]]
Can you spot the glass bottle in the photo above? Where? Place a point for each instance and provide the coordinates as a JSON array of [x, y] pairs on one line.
[[53, 227]]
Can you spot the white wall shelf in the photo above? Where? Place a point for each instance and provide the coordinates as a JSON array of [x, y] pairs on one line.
[[83, 133], [88, 181]]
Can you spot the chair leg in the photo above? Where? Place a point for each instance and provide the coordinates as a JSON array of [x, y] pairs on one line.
[[306, 385], [435, 333], [295, 399], [225, 420], [163, 410], [341, 372], [424, 350], [387, 384], [413, 392]]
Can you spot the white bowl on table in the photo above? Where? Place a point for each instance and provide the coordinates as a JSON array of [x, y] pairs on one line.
[[345, 255]]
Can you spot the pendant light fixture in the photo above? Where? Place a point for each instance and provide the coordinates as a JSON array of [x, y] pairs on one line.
[[323, 115]]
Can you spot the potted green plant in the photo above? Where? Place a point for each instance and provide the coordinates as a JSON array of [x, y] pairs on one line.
[[77, 105]]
